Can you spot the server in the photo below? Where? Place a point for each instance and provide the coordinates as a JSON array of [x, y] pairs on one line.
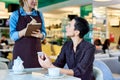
[[27, 47]]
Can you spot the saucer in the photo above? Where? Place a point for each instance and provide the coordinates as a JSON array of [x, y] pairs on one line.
[[60, 76]]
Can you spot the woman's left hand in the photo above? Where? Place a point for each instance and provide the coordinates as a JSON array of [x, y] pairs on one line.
[[37, 34]]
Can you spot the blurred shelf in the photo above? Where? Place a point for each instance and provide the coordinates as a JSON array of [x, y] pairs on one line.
[[4, 27]]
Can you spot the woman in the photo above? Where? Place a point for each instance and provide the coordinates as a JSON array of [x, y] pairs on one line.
[[98, 46], [77, 53], [27, 47], [106, 45]]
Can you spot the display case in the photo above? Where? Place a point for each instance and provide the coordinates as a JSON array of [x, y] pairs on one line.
[[99, 23], [99, 31]]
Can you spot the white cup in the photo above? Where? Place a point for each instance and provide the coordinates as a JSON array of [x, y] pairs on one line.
[[53, 72]]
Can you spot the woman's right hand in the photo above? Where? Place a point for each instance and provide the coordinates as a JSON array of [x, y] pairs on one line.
[[22, 32]]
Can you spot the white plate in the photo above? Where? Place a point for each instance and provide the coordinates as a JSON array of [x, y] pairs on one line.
[[60, 76]]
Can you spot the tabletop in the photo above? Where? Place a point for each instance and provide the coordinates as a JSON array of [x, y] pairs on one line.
[[27, 75]]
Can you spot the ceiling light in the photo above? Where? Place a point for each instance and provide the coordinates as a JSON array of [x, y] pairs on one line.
[[102, 0]]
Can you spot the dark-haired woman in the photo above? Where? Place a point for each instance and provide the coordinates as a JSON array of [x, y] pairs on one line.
[[106, 45], [27, 47]]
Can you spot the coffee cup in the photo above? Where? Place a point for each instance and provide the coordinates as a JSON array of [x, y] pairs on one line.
[[53, 72]]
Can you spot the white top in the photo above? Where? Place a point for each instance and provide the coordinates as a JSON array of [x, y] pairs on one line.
[[27, 75]]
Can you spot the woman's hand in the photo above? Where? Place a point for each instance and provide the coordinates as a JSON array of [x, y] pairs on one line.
[[22, 32], [37, 34], [45, 63]]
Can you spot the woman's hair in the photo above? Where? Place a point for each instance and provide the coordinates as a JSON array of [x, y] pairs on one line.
[[82, 25], [107, 42], [21, 2], [106, 45], [97, 42]]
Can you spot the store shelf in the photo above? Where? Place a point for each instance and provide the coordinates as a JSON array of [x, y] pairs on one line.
[[4, 27], [99, 32]]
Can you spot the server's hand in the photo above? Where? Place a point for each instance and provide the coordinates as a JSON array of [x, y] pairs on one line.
[[37, 34], [22, 32]]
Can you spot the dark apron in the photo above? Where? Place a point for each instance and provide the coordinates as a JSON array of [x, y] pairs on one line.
[[27, 47]]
